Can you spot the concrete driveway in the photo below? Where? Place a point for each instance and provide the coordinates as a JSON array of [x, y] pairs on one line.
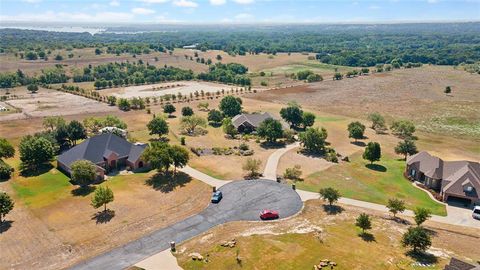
[[242, 200]]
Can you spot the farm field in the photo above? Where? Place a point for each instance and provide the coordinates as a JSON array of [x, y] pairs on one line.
[[313, 235], [415, 94]]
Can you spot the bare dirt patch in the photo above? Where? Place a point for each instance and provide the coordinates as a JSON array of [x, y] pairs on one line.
[[50, 102], [171, 88]]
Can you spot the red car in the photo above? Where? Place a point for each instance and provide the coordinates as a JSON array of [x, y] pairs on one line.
[[268, 214]]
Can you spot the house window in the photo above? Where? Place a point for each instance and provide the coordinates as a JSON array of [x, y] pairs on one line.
[[412, 173], [468, 189]]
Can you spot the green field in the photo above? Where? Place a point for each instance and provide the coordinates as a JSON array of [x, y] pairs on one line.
[[377, 184], [312, 65]]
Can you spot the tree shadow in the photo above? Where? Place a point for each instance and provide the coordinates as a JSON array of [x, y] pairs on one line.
[[83, 191], [272, 145], [103, 217], [422, 257], [5, 225], [367, 237], [167, 182], [332, 209], [31, 172], [359, 143], [400, 220], [161, 139], [431, 232], [376, 167]]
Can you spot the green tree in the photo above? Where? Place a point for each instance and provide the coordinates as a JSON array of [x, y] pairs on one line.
[[53, 122], [294, 173], [403, 128], [101, 197], [231, 106], [124, 104], [112, 100], [179, 156], [158, 156], [396, 206], [337, 76], [35, 151], [372, 152], [330, 194], [158, 126], [84, 172], [58, 57], [187, 111], [191, 123], [32, 88], [76, 131], [448, 90], [363, 222], [378, 122], [169, 108], [421, 215], [270, 129], [5, 170], [356, 130], [229, 128], [6, 149], [313, 139], [6, 205], [252, 166], [292, 114], [314, 78], [417, 238], [98, 51], [215, 116], [308, 119], [406, 147]]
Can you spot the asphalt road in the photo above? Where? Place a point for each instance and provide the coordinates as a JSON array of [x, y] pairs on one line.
[[242, 200]]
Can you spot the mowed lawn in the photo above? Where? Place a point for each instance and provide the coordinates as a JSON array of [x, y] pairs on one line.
[[376, 184]]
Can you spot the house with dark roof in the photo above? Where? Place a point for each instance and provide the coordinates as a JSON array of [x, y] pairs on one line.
[[249, 122], [108, 151], [456, 264], [456, 181]]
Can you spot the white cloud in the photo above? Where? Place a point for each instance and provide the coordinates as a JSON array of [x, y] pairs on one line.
[[154, 1], [185, 3], [32, 1], [244, 2], [217, 2], [51, 16], [114, 3], [142, 11]]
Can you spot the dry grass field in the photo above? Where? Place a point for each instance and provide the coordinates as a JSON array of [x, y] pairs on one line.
[[415, 94], [303, 240], [85, 57]]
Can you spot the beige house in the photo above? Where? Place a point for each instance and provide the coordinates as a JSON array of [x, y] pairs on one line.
[[456, 181]]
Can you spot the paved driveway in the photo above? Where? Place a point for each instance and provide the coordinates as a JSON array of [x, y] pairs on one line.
[[243, 200]]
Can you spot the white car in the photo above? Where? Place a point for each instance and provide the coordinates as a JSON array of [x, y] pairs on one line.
[[476, 212]]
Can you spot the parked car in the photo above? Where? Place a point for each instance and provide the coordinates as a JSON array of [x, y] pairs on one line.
[[268, 214], [217, 196], [476, 212]]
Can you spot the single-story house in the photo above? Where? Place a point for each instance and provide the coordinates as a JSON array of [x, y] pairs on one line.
[[457, 181], [108, 151], [249, 122]]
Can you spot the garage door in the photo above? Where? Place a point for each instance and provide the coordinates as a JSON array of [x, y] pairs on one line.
[[456, 201]]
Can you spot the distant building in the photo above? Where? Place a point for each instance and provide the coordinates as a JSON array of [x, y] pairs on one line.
[[457, 181], [249, 122], [108, 151], [193, 46]]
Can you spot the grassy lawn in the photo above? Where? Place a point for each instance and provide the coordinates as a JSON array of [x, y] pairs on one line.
[[376, 184], [302, 251]]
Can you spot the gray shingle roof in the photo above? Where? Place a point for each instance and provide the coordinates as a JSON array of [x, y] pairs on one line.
[[253, 119], [97, 147]]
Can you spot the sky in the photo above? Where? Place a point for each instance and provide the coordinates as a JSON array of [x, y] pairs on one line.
[[239, 11]]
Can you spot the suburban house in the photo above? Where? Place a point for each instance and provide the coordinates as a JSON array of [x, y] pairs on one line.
[[108, 151], [249, 122], [456, 181]]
